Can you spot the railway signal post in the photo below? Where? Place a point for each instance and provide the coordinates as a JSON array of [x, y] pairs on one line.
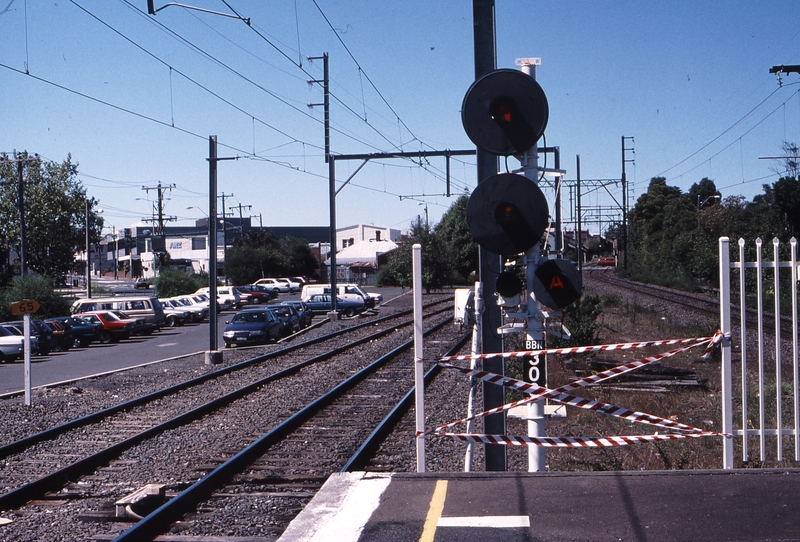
[[505, 113]]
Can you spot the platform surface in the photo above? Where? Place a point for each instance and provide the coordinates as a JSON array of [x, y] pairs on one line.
[[651, 505]]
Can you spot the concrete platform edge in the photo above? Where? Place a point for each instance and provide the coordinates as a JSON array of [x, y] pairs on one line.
[[340, 509]]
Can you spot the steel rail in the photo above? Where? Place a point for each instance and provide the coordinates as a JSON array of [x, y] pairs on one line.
[[52, 433], [55, 480], [160, 520], [367, 449]]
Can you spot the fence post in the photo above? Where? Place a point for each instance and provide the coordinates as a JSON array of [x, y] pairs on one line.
[[725, 327]]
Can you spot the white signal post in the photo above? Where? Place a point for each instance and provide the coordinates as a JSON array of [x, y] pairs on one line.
[[25, 308], [27, 354], [419, 368], [535, 368]]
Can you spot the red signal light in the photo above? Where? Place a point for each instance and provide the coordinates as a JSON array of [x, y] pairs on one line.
[[503, 113]]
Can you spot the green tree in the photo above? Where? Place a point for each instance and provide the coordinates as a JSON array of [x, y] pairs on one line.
[[436, 270], [33, 287], [261, 254], [55, 201], [787, 201], [171, 282], [460, 250], [660, 241]]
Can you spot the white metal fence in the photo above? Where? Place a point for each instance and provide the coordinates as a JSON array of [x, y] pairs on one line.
[[761, 398]]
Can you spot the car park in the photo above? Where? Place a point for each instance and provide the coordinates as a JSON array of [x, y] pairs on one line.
[[321, 304], [252, 326], [306, 316], [288, 316]]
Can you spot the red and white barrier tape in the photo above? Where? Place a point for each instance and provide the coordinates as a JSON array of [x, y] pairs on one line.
[[580, 349], [558, 395], [572, 442]]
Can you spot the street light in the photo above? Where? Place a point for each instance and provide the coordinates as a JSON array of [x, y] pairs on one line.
[[700, 205]]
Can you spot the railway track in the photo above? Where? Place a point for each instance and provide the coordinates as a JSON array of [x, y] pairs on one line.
[[698, 303], [260, 447]]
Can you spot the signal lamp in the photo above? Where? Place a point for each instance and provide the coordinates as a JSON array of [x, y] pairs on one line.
[[505, 112], [508, 284], [557, 284], [507, 214]]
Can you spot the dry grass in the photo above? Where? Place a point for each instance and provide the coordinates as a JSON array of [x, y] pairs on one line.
[[626, 321]]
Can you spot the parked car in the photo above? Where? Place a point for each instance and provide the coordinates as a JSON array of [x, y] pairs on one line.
[[252, 326], [227, 297], [345, 291], [321, 304], [294, 286], [84, 332], [114, 327], [607, 261], [45, 342], [194, 313], [257, 293], [306, 316], [176, 316], [274, 284], [140, 324], [12, 346], [289, 317], [196, 301], [142, 283], [144, 306], [62, 334]]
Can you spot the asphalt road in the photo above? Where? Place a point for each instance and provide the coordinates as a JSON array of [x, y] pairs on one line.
[[98, 358]]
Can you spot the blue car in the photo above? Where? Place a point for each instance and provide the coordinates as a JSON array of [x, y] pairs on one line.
[[252, 326], [321, 304]]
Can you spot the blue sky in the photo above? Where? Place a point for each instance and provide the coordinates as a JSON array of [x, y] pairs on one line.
[[133, 98]]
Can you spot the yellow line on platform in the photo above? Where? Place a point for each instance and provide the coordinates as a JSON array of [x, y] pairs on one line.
[[434, 511]]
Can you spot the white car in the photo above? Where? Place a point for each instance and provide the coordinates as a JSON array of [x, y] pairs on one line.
[[227, 297], [277, 285], [11, 346], [194, 304], [294, 286]]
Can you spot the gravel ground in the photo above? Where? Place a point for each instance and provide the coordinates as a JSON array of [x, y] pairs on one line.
[[446, 400]]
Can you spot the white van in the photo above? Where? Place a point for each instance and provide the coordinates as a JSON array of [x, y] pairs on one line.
[[352, 292], [147, 307]]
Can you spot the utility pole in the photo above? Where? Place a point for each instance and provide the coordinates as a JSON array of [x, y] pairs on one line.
[[88, 256], [329, 159], [21, 159], [484, 45], [241, 215], [625, 201], [224, 233]]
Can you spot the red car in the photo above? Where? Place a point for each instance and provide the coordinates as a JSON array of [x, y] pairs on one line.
[[258, 294], [607, 261], [114, 327]]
